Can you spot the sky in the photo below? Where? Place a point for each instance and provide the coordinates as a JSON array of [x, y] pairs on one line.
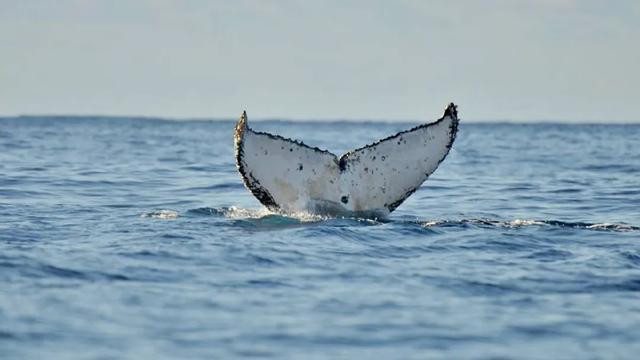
[[505, 60]]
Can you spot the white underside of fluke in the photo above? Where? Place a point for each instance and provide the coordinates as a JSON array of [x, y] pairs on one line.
[[370, 181]]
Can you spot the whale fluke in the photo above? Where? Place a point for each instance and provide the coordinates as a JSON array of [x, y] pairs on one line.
[[371, 181]]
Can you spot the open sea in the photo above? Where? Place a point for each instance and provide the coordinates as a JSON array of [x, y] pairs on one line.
[[136, 239]]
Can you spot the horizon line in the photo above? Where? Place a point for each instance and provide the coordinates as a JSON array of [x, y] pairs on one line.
[[317, 120]]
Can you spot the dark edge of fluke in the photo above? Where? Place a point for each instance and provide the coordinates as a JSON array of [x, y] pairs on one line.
[[452, 112], [249, 181]]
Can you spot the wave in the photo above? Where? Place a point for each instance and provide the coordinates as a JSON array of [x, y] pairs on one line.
[[517, 223], [262, 216]]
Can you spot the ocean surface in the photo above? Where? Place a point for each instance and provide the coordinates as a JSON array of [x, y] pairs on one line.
[[135, 238]]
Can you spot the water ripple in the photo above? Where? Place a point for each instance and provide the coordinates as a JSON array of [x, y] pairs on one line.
[[135, 238]]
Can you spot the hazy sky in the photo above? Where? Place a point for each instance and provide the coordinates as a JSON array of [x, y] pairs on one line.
[[507, 60]]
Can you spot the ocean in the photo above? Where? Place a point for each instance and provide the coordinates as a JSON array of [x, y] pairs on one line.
[[135, 238]]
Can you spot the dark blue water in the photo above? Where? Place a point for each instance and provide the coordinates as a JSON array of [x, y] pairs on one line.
[[134, 238]]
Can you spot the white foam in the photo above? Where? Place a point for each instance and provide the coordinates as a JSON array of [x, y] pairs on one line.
[[241, 213], [432, 223], [520, 223], [510, 224], [610, 226], [161, 214]]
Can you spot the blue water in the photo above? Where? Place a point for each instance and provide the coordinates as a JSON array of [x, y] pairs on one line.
[[135, 238]]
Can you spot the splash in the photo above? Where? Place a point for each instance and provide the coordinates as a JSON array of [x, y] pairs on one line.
[[237, 213]]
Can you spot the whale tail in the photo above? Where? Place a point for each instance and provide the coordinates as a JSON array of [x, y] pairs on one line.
[[373, 180]]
